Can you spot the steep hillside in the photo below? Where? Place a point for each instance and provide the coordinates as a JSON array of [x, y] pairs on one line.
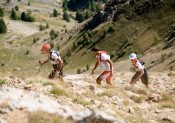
[[20, 46], [131, 27]]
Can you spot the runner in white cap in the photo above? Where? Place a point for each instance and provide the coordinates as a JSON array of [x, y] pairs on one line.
[[141, 73]]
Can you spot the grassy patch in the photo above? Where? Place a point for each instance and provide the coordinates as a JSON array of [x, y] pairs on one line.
[[126, 102], [81, 101], [57, 91], [167, 105], [167, 97], [48, 83], [105, 93], [2, 81], [44, 117], [137, 99]]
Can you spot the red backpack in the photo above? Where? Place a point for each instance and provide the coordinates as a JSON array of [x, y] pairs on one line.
[[99, 55]]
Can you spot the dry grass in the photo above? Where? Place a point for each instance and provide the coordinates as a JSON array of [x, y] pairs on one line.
[[57, 91], [44, 117], [81, 101], [167, 96], [167, 105], [137, 99]]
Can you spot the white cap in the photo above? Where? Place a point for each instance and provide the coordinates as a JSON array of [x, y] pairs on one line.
[[132, 56]]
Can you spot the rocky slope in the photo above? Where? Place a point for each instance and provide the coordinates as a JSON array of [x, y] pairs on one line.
[[79, 99]]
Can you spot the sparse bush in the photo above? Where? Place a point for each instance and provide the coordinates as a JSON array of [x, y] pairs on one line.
[[27, 52], [16, 8], [87, 67], [41, 27], [1, 12], [65, 5], [47, 26], [57, 91], [168, 105], [66, 16], [29, 3], [111, 29], [27, 17], [137, 99], [167, 97], [3, 27], [65, 60], [81, 101], [79, 16], [8, 1], [55, 13], [35, 40], [68, 53], [74, 46], [13, 14], [2, 81], [3, 64], [88, 14], [58, 47], [79, 71], [53, 34]]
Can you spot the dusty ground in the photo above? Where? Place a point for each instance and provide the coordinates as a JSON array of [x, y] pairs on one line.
[[80, 93]]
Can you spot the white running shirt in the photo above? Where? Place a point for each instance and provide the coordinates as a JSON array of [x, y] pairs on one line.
[[105, 65], [54, 55], [139, 66]]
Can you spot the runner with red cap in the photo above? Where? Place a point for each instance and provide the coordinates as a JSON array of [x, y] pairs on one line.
[[55, 59]]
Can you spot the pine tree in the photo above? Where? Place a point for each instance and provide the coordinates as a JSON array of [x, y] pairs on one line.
[[13, 14], [79, 16], [66, 16], [1, 12], [3, 27], [8, 1], [55, 13], [16, 8], [88, 14], [65, 4], [23, 16]]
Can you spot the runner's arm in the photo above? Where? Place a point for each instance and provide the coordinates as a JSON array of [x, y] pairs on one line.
[[96, 65], [44, 62]]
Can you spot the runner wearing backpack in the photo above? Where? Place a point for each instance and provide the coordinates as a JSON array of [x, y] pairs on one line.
[[103, 59], [141, 73], [55, 59]]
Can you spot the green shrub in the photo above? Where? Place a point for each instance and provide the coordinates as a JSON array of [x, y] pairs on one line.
[[66, 16], [110, 29], [16, 8], [79, 71], [27, 17], [2, 81], [87, 67], [1, 12], [57, 91], [3, 27], [55, 13], [13, 14], [53, 34]]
